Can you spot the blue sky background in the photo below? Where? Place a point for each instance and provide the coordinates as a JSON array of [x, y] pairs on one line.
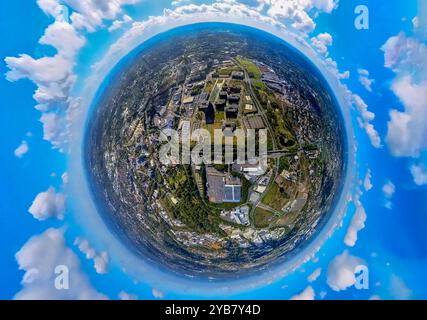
[[393, 242]]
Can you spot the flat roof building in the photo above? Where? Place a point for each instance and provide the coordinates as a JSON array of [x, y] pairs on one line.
[[254, 122], [237, 75], [222, 187], [188, 100], [232, 110]]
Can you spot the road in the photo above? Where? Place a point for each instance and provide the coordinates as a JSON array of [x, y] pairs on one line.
[[265, 119]]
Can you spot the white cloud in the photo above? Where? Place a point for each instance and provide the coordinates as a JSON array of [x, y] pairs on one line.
[[314, 275], [416, 22], [357, 222], [123, 295], [332, 66], [389, 189], [367, 182], [51, 7], [100, 261], [39, 257], [157, 293], [402, 53], [21, 150], [53, 75], [64, 38], [321, 43], [297, 12], [90, 14], [45, 70], [407, 129], [64, 178], [419, 174], [340, 275], [54, 126], [307, 294], [366, 117], [117, 24], [177, 3], [48, 204], [364, 79]]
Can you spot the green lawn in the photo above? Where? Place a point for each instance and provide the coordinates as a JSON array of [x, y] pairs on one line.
[[250, 67], [219, 115], [263, 218], [274, 198]]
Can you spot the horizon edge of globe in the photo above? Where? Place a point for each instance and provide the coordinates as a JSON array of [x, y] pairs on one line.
[[315, 242]]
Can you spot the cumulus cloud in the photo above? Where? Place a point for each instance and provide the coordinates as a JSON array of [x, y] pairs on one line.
[[332, 66], [357, 222], [314, 275], [45, 71], [64, 38], [364, 79], [407, 129], [297, 12], [52, 8], [123, 295], [321, 43], [100, 261], [416, 22], [340, 274], [307, 294], [54, 129], [39, 258], [53, 75], [48, 204], [91, 14], [176, 3], [64, 178], [88, 15], [419, 173], [388, 190], [367, 182], [366, 117], [365, 120], [21, 150], [157, 293], [117, 24]]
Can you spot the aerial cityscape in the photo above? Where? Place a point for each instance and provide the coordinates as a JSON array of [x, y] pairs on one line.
[[219, 153], [222, 215]]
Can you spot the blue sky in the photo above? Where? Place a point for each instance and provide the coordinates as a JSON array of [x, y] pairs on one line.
[[391, 217]]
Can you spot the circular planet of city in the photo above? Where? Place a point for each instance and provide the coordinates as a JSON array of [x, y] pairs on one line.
[[220, 217]]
